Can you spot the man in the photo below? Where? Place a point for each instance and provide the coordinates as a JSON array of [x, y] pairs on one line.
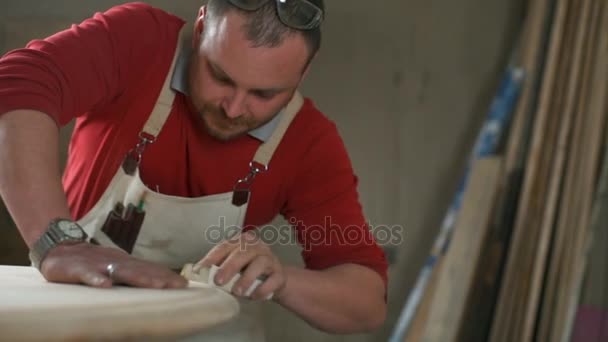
[[172, 139]]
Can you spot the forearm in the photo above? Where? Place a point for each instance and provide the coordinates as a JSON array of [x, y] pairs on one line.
[[30, 179], [343, 299]]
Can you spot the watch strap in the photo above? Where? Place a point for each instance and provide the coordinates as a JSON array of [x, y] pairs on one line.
[[52, 237]]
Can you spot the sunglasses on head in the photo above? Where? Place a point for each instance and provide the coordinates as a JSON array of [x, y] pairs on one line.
[[297, 14]]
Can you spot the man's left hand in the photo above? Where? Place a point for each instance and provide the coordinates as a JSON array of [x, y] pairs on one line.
[[248, 254]]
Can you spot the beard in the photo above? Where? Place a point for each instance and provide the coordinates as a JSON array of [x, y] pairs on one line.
[[224, 128]]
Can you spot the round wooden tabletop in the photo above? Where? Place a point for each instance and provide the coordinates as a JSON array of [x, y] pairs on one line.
[[33, 309]]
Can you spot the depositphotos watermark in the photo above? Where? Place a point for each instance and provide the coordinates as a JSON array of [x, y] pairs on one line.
[[309, 236]]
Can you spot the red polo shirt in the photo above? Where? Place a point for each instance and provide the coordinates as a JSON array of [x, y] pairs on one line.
[[107, 73]]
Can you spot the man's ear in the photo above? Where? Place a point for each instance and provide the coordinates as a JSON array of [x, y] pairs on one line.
[[199, 26]]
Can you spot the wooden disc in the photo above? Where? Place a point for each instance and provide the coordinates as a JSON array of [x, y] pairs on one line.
[[34, 309]]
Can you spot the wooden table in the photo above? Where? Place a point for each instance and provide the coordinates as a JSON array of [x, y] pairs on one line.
[[33, 309]]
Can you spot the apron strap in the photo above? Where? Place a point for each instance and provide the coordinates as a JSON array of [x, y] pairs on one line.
[[262, 156], [266, 150], [164, 104]]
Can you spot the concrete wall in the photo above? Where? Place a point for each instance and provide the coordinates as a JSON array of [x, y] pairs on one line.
[[407, 82]]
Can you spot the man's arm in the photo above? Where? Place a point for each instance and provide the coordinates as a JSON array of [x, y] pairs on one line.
[[30, 185], [30, 181], [50, 83], [347, 298], [343, 288]]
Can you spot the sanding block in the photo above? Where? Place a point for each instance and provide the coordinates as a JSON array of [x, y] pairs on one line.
[[206, 275]]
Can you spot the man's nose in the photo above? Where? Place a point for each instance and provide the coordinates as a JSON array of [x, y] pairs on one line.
[[235, 106]]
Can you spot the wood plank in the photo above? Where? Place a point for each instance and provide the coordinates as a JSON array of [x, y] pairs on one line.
[[455, 279], [534, 36], [576, 80], [505, 319], [571, 196], [595, 263], [599, 112], [533, 222], [532, 52], [416, 331], [593, 111]]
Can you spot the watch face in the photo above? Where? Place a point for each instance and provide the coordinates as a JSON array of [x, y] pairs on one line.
[[70, 229]]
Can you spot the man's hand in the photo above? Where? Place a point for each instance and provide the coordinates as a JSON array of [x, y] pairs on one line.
[[87, 264], [248, 254]]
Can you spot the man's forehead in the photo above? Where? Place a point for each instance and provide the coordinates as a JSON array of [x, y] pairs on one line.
[[227, 46]]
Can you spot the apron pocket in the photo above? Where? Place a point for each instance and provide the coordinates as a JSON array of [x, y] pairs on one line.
[[122, 225]]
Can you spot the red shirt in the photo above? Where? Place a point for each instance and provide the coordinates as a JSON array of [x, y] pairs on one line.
[[107, 73]]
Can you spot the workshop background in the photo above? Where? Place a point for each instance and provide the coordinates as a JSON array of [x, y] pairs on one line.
[[408, 82]]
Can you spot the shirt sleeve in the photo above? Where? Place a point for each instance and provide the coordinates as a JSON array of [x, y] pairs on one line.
[[323, 206], [84, 67]]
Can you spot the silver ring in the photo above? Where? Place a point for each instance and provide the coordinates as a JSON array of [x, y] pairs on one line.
[[111, 269]]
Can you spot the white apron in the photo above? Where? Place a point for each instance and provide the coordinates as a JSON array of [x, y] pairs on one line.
[[173, 231]]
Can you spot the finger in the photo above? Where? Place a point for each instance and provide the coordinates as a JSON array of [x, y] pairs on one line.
[[216, 255], [244, 240], [95, 279], [270, 286], [144, 281], [177, 282], [259, 268], [250, 237], [167, 277], [140, 274], [234, 263], [58, 270], [76, 274], [174, 280]]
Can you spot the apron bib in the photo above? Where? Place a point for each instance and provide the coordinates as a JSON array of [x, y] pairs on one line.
[[172, 230]]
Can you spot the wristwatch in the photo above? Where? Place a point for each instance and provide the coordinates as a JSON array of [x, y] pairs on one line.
[[60, 231]]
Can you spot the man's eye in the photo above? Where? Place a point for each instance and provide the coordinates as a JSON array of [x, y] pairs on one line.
[[264, 95], [221, 79]]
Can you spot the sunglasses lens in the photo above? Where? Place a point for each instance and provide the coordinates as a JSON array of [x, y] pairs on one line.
[[299, 14], [248, 5]]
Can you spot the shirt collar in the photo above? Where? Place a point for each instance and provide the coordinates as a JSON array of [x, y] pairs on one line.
[[179, 82]]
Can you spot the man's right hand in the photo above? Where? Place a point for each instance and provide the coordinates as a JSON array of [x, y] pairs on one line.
[[87, 264]]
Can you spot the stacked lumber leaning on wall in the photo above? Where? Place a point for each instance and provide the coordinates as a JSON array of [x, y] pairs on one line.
[[540, 290], [472, 318], [514, 267]]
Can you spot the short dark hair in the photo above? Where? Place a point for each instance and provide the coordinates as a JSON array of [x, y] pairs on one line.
[[263, 26]]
